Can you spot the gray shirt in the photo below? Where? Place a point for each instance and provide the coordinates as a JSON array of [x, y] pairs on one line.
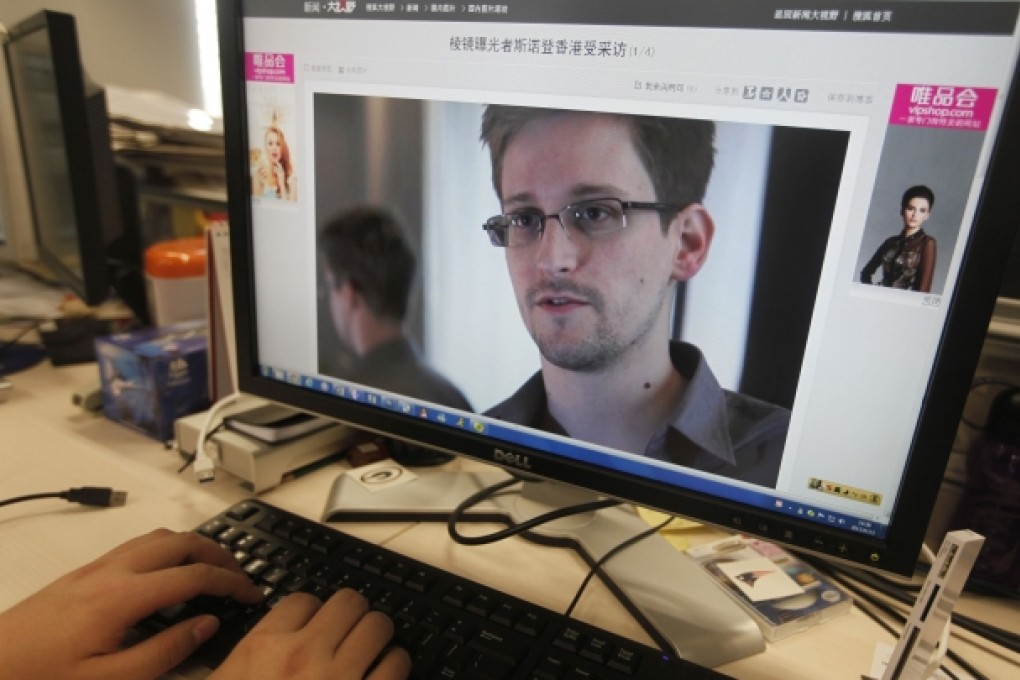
[[712, 429], [395, 366]]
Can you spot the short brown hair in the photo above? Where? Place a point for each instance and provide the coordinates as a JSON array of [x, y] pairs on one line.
[[678, 153], [367, 247]]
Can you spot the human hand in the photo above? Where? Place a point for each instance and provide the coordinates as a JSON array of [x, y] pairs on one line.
[[308, 639], [74, 628]]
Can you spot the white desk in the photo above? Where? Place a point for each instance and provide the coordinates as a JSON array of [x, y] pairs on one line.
[[47, 444]]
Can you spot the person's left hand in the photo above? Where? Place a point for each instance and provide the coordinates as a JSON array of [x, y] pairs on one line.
[[340, 639], [74, 628]]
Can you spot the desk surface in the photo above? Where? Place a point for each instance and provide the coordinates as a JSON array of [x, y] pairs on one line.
[[47, 444]]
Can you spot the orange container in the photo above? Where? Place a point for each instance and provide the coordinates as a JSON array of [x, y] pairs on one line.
[[175, 277]]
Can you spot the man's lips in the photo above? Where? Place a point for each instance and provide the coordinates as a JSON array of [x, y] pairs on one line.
[[558, 302], [563, 297]]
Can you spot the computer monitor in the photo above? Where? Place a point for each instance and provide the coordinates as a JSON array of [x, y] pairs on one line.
[[734, 261], [82, 213]]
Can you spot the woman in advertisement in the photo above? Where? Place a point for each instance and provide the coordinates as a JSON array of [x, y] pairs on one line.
[[274, 177], [907, 259]]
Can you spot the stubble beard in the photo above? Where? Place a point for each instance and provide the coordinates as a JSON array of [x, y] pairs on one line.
[[594, 352]]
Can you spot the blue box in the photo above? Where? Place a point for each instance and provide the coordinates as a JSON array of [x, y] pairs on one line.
[[152, 377]]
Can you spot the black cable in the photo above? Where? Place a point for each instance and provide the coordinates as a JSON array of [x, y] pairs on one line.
[[31, 497], [479, 496], [597, 567], [189, 458], [14, 341], [999, 636], [523, 527], [514, 529], [95, 496]]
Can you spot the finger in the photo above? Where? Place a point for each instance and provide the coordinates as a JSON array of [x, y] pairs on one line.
[[164, 548], [158, 589], [365, 642], [160, 653], [395, 664], [292, 613], [338, 616]]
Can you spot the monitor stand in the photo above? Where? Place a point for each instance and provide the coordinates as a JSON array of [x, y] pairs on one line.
[[679, 604]]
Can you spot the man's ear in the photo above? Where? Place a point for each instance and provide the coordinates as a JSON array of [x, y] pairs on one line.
[[343, 292], [692, 229]]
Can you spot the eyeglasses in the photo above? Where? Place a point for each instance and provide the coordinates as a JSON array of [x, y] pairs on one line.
[[590, 219]]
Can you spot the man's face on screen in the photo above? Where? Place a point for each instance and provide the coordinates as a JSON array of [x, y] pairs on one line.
[[586, 300]]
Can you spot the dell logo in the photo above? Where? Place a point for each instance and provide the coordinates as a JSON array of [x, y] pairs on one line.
[[510, 458]]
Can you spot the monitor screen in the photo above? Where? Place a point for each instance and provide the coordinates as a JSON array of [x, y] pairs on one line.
[[68, 161], [732, 261]]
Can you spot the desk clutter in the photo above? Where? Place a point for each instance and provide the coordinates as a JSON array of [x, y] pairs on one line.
[[152, 377], [783, 594]]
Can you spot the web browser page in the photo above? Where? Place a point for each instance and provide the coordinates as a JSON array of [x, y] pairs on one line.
[[824, 116]]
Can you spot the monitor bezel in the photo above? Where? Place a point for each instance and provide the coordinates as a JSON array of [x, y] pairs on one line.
[[969, 312], [91, 168]]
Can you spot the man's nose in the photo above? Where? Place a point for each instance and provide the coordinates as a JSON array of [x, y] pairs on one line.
[[558, 251]]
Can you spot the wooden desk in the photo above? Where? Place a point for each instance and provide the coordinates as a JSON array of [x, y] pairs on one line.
[[47, 444]]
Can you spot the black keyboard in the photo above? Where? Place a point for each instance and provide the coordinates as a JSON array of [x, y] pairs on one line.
[[451, 626]]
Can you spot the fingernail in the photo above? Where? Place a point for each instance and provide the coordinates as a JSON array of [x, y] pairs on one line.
[[204, 628]]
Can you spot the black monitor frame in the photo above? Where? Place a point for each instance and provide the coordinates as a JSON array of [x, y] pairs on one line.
[[101, 194], [970, 310]]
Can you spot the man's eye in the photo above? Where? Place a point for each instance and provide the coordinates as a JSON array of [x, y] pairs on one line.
[[526, 220], [593, 213]]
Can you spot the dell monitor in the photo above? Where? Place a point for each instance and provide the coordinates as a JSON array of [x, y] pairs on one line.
[[732, 261], [84, 227]]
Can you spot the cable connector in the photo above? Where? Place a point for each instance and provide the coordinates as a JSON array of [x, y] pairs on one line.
[[205, 468], [96, 496]]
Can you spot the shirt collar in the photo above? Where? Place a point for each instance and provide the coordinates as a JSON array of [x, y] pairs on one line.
[[396, 349], [701, 415]]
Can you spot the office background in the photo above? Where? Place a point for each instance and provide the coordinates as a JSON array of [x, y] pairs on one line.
[[155, 42]]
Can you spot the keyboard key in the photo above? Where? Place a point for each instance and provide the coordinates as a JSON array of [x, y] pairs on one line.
[[505, 614], [458, 596], [243, 511], [420, 580], [498, 645], [596, 649], [624, 660], [531, 623], [326, 544], [460, 630], [490, 668], [212, 528], [481, 605], [569, 640], [551, 668]]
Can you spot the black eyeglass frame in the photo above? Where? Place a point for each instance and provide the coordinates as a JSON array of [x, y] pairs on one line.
[[498, 226]]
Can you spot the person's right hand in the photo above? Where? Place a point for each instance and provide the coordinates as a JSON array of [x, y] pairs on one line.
[[305, 638], [77, 627]]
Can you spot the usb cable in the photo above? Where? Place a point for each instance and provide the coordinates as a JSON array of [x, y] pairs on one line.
[[94, 496]]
